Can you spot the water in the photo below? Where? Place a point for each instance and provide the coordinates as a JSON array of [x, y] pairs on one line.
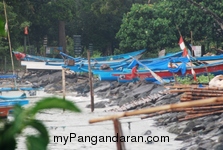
[[67, 123]]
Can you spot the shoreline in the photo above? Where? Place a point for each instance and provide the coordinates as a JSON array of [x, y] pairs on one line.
[[201, 133]]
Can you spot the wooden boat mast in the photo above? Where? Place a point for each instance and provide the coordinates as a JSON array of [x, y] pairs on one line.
[[10, 47]]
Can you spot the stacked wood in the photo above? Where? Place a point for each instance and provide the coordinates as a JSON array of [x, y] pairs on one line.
[[192, 93], [195, 92], [143, 101], [198, 103]]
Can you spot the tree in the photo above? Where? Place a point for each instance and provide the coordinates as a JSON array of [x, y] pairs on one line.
[[146, 27]]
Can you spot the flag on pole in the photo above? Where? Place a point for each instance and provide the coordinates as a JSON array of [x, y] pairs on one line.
[[183, 47], [6, 27], [193, 73], [192, 70]]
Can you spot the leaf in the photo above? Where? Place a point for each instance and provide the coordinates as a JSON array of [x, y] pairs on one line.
[[5, 140], [39, 141], [35, 143], [17, 125], [53, 102]]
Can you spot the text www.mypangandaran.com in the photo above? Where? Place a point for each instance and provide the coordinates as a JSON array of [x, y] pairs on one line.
[[95, 139]]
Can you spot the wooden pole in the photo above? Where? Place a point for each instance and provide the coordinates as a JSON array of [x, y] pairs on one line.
[[10, 47], [63, 84], [160, 108], [118, 132], [90, 81]]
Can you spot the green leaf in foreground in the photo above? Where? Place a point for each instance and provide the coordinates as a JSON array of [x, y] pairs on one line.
[[25, 117], [53, 102], [40, 140]]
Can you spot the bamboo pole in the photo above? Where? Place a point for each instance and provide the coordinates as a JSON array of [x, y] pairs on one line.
[[118, 132], [10, 46], [200, 112], [182, 86], [207, 94], [200, 115], [63, 84], [159, 108], [195, 90], [90, 81]]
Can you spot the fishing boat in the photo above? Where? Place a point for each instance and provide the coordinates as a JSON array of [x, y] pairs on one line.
[[28, 91], [203, 69], [120, 56], [4, 111], [23, 96], [26, 57], [159, 64], [112, 61], [13, 102], [35, 65]]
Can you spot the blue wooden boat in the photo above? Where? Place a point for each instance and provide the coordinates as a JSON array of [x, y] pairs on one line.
[[20, 88], [27, 57], [8, 76], [202, 69], [23, 96], [120, 56], [83, 66], [13, 102], [168, 55]]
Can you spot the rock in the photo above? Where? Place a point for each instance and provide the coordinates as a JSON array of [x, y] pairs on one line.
[[218, 146], [175, 129], [206, 144], [148, 132], [101, 104], [201, 148], [125, 100], [220, 138], [198, 127], [102, 88], [182, 137], [189, 126]]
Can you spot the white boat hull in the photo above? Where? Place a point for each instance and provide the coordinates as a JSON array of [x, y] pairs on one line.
[[40, 65]]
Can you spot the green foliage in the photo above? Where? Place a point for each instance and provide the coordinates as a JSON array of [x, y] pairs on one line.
[[96, 54], [24, 118], [102, 23], [205, 78], [184, 80], [2, 28], [144, 27], [200, 79]]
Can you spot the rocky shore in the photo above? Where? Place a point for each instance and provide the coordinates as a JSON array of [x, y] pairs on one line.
[[205, 133]]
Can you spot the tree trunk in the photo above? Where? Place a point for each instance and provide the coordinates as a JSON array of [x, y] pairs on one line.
[[62, 36]]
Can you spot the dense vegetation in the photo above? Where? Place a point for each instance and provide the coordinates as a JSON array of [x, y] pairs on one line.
[[113, 25]]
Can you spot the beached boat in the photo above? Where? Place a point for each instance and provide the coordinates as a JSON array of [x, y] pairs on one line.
[[20, 102], [160, 64], [114, 62], [23, 96], [4, 111], [120, 56], [214, 68], [29, 91], [26, 57], [35, 65]]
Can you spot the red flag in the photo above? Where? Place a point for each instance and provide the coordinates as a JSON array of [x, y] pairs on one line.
[[183, 47], [19, 56], [26, 30], [194, 74]]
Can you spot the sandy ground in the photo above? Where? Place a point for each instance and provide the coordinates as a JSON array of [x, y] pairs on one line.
[[67, 124]]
